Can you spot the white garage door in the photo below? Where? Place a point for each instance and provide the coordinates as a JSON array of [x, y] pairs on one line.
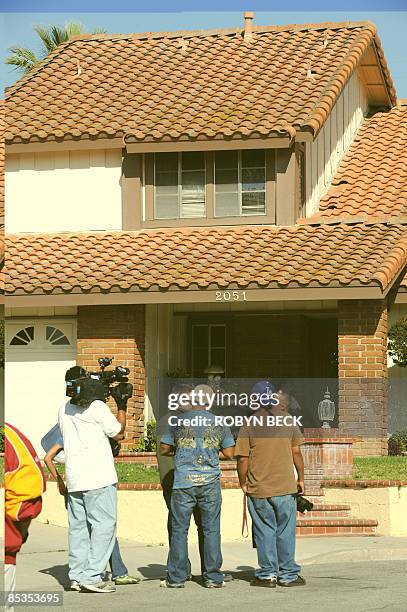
[[38, 353]]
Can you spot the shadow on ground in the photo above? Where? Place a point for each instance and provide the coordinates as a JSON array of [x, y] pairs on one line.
[[59, 572]]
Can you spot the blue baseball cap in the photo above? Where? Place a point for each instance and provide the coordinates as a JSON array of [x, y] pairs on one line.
[[264, 387]]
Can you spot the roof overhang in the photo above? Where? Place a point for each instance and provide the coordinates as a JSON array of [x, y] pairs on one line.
[[202, 296]]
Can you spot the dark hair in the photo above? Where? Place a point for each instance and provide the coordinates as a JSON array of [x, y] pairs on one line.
[[74, 373]]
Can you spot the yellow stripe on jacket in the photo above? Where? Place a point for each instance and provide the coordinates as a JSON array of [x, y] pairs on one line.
[[23, 478]]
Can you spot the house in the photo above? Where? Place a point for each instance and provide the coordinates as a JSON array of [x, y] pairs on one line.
[[183, 199]]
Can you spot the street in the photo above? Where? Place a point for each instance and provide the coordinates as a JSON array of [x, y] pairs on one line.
[[355, 573]]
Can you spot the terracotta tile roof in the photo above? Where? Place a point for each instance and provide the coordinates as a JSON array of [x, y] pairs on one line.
[[171, 86], [372, 177], [240, 257], [2, 126]]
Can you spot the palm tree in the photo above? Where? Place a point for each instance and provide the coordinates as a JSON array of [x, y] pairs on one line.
[[23, 58]]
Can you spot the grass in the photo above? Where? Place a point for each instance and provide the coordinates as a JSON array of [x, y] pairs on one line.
[[380, 468], [131, 472], [364, 468]]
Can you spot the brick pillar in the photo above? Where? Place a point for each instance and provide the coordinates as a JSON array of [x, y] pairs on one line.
[[118, 332], [362, 353]]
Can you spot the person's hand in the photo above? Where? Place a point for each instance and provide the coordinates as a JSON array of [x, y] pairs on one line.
[[61, 486], [301, 487], [244, 488]]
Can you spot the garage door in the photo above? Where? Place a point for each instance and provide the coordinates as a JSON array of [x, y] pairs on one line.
[[38, 353]]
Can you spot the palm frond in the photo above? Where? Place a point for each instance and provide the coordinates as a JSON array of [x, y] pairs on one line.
[[21, 58]]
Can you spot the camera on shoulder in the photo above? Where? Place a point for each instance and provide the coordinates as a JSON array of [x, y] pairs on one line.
[[85, 387]]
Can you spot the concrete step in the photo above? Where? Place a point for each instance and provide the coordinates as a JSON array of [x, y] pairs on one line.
[[335, 526]]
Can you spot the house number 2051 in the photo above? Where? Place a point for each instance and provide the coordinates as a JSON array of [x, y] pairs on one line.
[[230, 296]]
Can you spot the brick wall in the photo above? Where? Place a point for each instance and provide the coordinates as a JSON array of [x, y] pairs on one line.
[[119, 332], [362, 354]]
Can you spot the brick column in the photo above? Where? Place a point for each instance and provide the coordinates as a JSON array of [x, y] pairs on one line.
[[118, 332], [362, 353]]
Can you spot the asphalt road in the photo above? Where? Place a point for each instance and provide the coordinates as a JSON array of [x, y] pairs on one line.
[[335, 582]]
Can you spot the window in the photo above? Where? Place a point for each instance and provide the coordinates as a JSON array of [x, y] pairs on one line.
[[240, 183], [42, 336], [23, 337], [179, 185], [208, 347], [55, 336]]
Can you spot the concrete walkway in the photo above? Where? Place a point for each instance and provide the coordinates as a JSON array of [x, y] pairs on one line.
[[362, 573]]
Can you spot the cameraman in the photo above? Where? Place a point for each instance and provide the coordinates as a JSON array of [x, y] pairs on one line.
[[91, 480]]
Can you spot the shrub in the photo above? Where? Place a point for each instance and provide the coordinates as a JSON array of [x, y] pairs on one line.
[[149, 442], [1, 439], [397, 443], [397, 343]]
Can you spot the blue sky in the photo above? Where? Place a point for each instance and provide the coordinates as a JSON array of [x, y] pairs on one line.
[[17, 28]]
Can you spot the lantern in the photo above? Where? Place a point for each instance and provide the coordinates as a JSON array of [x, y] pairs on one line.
[[326, 410]]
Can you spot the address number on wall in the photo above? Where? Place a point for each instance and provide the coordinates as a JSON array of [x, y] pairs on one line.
[[230, 296]]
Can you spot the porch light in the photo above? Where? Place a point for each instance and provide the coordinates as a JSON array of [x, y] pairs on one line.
[[326, 410]]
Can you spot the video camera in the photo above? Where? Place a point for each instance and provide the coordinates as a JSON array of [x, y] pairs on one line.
[[86, 387]]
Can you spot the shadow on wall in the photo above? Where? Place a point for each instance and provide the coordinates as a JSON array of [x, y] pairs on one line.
[[397, 399]]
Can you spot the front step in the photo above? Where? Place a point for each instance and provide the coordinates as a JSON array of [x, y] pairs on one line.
[[326, 511], [336, 527]]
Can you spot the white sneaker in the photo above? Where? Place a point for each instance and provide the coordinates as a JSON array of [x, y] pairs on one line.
[[75, 586], [99, 587]]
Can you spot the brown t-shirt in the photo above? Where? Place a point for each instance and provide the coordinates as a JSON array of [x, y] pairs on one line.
[[271, 467]]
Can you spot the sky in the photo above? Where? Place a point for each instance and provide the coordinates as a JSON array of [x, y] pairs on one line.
[[16, 28]]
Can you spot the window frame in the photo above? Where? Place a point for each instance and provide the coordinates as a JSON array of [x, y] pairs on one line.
[[180, 172], [240, 190], [208, 321], [147, 174]]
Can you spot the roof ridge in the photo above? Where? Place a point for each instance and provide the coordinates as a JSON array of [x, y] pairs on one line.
[[296, 27]]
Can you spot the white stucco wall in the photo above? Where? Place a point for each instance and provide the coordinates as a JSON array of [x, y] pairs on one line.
[[325, 153], [63, 191]]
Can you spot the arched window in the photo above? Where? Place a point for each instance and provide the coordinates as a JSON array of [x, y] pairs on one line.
[[55, 336], [23, 337]]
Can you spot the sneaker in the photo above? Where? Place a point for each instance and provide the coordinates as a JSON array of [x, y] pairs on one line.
[[99, 587], [75, 586], [171, 585], [264, 582], [299, 581], [228, 577], [209, 584], [126, 579]]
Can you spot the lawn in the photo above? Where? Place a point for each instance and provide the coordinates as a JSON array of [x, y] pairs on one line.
[[380, 468], [131, 472]]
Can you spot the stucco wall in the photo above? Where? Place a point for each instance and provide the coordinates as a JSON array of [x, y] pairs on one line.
[[388, 505], [64, 191], [142, 515]]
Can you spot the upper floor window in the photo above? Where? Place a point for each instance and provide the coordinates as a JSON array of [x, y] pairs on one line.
[[180, 182], [240, 183]]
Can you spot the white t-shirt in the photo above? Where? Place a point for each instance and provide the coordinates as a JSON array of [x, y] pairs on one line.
[[89, 461]]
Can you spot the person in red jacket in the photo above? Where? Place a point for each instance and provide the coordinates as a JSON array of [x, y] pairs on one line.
[[24, 485]]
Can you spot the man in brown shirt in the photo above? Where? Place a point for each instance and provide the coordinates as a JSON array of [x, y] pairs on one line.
[[266, 456]]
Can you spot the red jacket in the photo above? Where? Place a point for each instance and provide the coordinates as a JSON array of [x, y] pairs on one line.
[[24, 485]]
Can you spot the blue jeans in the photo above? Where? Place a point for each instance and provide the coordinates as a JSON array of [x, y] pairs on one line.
[[183, 501], [92, 531], [116, 562], [274, 522]]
